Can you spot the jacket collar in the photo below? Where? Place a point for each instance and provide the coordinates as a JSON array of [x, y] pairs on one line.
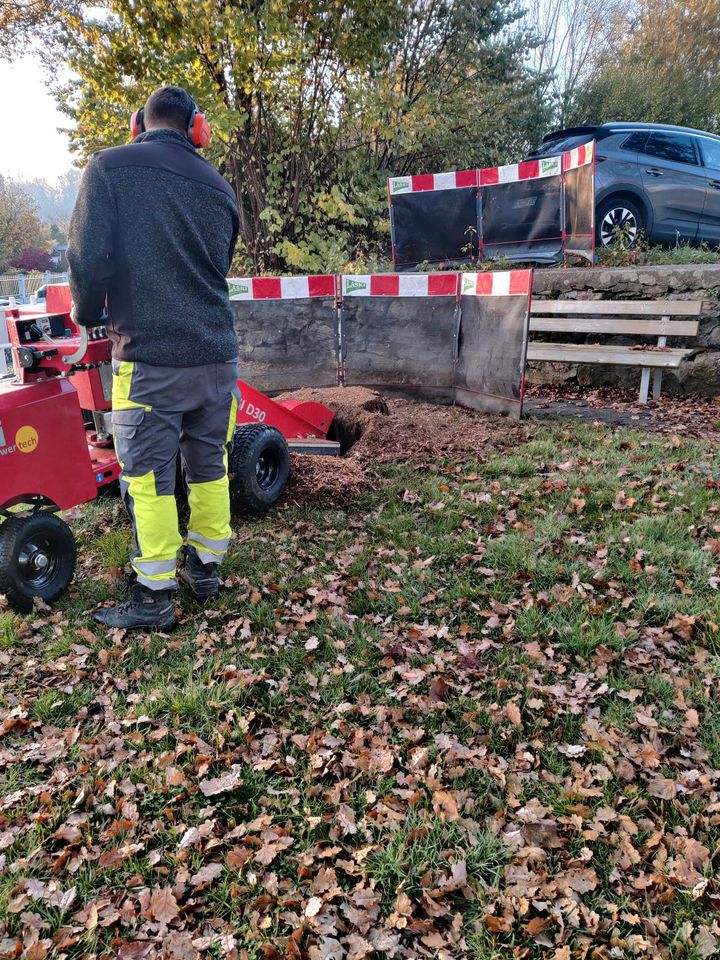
[[164, 136]]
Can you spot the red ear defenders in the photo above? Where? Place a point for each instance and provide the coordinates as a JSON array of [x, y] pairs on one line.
[[199, 130]]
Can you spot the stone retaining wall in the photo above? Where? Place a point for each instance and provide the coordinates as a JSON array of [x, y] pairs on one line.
[[699, 373]]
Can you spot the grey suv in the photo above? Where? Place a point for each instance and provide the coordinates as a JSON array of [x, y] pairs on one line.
[[662, 180]]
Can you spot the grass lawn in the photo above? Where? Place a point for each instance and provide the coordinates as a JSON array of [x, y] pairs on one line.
[[473, 714]]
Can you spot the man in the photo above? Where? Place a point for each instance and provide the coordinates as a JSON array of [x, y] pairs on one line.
[[153, 231]]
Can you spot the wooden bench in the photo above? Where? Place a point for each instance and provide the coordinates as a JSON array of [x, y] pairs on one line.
[[629, 318]]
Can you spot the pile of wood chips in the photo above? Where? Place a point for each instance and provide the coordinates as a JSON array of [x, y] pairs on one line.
[[373, 429]]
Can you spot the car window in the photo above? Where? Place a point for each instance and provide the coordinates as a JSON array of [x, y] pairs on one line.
[[554, 147], [711, 152], [636, 141], [671, 146]]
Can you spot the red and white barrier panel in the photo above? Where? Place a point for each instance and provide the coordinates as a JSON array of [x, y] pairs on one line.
[[281, 288], [509, 173], [503, 283], [579, 157], [527, 170], [400, 285], [432, 181]]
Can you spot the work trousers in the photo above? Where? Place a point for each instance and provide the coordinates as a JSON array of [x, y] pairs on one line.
[[158, 412]]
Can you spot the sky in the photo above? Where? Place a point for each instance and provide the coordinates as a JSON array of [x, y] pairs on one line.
[[35, 149]]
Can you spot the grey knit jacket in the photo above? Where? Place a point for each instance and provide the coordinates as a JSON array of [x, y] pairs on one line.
[[154, 230]]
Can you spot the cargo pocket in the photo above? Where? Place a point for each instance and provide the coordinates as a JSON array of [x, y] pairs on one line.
[[127, 422]]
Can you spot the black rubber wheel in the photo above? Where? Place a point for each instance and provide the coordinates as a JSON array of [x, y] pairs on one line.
[[258, 466], [619, 221], [37, 559]]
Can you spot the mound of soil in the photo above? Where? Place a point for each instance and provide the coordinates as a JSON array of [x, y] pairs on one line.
[[374, 429], [355, 409], [425, 432]]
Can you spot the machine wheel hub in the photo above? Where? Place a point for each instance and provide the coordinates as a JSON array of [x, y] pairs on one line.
[[36, 562], [266, 470]]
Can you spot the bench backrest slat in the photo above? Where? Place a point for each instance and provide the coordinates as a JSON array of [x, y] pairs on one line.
[[617, 325], [620, 308]]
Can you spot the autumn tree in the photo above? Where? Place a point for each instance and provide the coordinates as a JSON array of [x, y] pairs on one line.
[[21, 21], [32, 258], [569, 37], [313, 104], [20, 227], [55, 200], [662, 67]]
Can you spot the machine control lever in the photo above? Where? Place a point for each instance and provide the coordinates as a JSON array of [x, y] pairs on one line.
[[76, 357]]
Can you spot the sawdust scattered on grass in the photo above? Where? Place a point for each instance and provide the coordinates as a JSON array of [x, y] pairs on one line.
[[324, 481]]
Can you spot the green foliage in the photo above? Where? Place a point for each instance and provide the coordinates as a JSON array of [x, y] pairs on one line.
[[661, 67], [313, 105], [620, 254]]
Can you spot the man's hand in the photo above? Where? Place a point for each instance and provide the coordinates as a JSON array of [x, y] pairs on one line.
[[96, 325]]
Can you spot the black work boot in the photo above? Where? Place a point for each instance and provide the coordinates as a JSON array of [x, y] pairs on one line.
[[202, 578], [145, 610]]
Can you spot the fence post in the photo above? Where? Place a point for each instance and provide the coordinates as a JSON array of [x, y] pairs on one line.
[[3, 341]]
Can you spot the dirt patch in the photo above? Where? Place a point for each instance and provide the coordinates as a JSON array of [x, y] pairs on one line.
[[422, 433], [684, 416], [373, 429]]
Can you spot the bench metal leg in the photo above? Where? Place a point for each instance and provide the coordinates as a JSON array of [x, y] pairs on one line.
[[657, 376], [644, 384], [657, 383]]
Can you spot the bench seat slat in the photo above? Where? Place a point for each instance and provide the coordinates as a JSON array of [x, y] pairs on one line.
[[650, 328], [625, 308], [605, 353]]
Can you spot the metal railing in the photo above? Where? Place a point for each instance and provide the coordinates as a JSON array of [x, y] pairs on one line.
[[5, 354], [22, 286]]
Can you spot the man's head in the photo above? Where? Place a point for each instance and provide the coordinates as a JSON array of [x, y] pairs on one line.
[[168, 108]]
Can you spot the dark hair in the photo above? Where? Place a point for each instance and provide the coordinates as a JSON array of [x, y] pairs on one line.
[[172, 106]]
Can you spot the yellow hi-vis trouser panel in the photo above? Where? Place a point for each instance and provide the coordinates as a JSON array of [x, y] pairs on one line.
[[122, 384], [159, 412], [209, 527], [155, 522]]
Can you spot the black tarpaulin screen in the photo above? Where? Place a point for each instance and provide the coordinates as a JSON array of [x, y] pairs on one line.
[[579, 179], [492, 352], [521, 212], [434, 218], [287, 331], [398, 332]]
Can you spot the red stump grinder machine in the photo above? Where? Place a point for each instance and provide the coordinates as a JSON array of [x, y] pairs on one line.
[[56, 445]]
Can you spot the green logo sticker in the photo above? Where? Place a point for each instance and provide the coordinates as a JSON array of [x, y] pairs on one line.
[[468, 283], [401, 184], [549, 165], [352, 285], [238, 288]]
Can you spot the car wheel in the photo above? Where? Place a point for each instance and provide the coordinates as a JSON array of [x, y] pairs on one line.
[[37, 559], [619, 221]]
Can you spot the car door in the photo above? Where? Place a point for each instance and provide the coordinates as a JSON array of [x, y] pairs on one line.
[[674, 181], [709, 230]]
